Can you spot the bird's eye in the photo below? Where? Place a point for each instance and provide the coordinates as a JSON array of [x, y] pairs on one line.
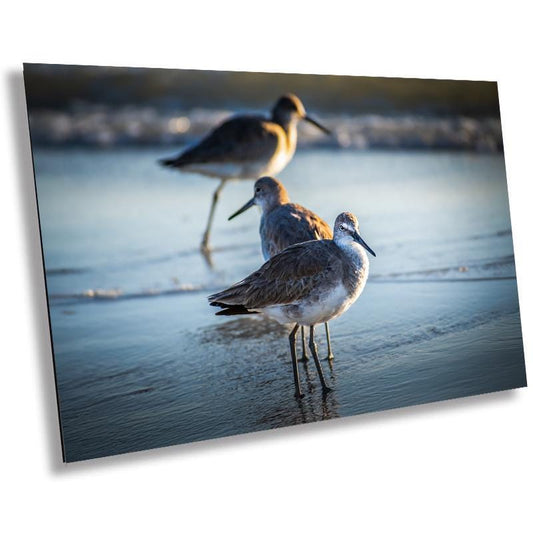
[[257, 189], [343, 227]]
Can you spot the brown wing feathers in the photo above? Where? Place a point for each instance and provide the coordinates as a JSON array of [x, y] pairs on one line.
[[285, 278], [237, 139], [291, 224]]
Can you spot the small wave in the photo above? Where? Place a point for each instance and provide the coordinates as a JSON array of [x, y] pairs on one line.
[[499, 268], [116, 376], [105, 125], [117, 294], [65, 271], [163, 258], [116, 396], [431, 331], [501, 233], [141, 391], [102, 293], [440, 280]]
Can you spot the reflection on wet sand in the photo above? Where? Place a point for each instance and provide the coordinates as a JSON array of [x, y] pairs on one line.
[[252, 362], [314, 405], [310, 408], [246, 327]]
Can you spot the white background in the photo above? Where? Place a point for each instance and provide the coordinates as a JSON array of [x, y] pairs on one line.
[[461, 465]]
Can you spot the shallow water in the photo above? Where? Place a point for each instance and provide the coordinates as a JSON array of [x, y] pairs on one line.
[[141, 359]]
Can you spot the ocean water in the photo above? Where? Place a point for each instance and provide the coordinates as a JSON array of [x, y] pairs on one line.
[[141, 359]]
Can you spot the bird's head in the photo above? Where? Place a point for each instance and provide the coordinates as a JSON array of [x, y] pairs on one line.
[[268, 193], [289, 108], [347, 230]]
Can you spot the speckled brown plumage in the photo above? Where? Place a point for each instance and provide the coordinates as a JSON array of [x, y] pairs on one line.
[[291, 224], [290, 276]]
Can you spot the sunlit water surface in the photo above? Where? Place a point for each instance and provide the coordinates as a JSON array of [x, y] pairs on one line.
[[141, 359]]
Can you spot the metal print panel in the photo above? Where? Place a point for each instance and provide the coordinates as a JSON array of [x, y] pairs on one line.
[[232, 252]]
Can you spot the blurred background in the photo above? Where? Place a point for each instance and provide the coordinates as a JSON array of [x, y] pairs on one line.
[[108, 106]]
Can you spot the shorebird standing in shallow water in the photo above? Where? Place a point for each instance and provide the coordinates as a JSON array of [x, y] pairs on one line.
[[284, 224], [245, 147], [305, 284]]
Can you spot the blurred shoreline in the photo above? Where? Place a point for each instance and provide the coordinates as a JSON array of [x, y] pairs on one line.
[[103, 125], [119, 106]]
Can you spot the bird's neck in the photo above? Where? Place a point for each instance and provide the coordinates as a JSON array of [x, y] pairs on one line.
[[288, 122], [274, 203], [354, 251]]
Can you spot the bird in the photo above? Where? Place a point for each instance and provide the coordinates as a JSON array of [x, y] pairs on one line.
[[306, 284], [245, 147], [283, 224]]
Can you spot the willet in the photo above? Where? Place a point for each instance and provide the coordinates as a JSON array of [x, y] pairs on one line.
[[284, 224], [305, 284], [245, 147]]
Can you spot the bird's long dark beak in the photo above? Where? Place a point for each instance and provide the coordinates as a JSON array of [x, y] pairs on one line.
[[357, 237], [317, 124], [245, 207]]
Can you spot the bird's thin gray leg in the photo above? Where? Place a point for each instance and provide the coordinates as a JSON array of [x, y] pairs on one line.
[[330, 352], [292, 342], [216, 194], [312, 346], [305, 357]]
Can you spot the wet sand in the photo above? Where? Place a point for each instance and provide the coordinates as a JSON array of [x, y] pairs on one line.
[[169, 378], [143, 362]]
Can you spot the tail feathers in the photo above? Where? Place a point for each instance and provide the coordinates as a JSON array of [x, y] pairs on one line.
[[229, 308], [225, 298], [235, 310]]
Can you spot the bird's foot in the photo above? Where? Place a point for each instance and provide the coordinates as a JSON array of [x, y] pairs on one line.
[[206, 253], [330, 357], [304, 359], [326, 390]]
